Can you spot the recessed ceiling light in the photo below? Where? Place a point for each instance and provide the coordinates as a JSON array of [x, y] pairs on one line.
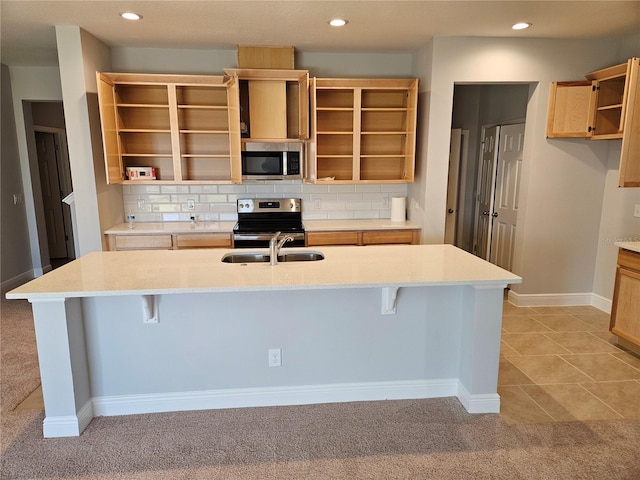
[[338, 22], [521, 26], [130, 16]]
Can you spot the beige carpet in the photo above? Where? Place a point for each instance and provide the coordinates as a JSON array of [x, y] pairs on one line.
[[19, 372], [416, 439]]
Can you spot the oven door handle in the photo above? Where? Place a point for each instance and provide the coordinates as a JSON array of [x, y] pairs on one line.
[[264, 236]]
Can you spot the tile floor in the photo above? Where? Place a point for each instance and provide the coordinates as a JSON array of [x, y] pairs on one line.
[[561, 364], [556, 364]]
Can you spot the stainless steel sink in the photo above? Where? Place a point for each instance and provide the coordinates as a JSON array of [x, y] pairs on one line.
[[262, 257]]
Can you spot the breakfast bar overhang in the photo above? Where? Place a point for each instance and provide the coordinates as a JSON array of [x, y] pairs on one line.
[[150, 331]]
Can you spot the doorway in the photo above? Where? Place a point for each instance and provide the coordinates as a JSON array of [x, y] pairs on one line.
[[55, 185], [476, 106], [52, 182]]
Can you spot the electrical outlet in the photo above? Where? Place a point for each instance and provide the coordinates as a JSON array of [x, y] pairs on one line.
[[275, 359], [317, 204], [636, 210], [141, 204], [191, 204]]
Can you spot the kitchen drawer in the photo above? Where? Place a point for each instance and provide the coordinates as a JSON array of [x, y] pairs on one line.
[[203, 240], [629, 259], [388, 237], [143, 242], [332, 238]]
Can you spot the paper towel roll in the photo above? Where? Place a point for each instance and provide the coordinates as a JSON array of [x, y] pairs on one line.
[[398, 209]]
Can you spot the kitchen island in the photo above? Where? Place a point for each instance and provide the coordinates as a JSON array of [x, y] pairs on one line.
[[150, 331]]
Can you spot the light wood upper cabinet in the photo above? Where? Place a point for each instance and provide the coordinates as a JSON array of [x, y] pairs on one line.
[[629, 175], [363, 131], [184, 126], [570, 109], [606, 106], [274, 104]]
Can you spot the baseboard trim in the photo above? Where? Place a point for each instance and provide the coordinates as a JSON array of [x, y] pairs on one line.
[[16, 281], [69, 425], [478, 403], [559, 300], [276, 396]]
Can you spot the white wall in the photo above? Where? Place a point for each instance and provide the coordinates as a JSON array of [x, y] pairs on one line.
[[213, 62], [15, 254], [563, 180], [617, 224], [33, 84]]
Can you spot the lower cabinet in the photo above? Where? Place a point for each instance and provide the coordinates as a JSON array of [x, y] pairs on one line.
[[366, 237], [625, 312], [168, 241]]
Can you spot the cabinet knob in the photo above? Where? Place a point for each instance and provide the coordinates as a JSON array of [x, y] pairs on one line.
[[450, 211]]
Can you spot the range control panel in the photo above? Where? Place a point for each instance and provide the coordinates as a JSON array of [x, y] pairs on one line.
[[269, 205]]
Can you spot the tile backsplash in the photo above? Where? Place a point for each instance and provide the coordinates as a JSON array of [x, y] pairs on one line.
[[170, 203]]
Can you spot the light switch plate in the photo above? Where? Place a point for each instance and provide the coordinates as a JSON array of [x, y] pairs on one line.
[[636, 211]]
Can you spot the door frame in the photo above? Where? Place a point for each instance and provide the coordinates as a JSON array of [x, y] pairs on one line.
[[461, 181]]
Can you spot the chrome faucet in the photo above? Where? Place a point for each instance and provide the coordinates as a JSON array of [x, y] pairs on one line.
[[275, 245]]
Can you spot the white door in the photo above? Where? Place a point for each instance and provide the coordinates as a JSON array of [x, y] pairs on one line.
[[505, 205], [51, 194], [486, 189], [452, 187]]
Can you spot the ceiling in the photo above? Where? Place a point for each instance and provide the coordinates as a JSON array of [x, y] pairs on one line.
[[28, 26]]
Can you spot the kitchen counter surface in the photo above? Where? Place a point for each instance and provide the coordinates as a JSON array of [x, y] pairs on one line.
[[633, 246], [201, 271], [151, 228], [146, 331]]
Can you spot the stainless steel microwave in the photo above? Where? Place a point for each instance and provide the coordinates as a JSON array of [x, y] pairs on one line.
[[272, 161]]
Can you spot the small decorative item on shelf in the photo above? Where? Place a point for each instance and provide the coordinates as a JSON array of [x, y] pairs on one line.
[[141, 173]]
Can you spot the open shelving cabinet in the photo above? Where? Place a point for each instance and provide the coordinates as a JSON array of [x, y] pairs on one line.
[[184, 126], [605, 106], [363, 130]]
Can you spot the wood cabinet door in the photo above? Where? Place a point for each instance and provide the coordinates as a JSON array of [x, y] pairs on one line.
[[203, 240], [388, 237], [109, 124], [571, 106], [625, 317], [629, 175], [332, 238], [143, 242]]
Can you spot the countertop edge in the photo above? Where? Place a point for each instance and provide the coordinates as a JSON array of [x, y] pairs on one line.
[[632, 246], [226, 226]]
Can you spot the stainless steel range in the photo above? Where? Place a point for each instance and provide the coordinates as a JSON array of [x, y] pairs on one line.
[[259, 219]]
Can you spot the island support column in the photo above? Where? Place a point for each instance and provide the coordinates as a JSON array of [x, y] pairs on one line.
[[64, 371], [480, 348]]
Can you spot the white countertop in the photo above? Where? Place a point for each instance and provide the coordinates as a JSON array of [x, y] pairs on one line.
[[171, 227], [633, 246], [152, 228], [152, 272]]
